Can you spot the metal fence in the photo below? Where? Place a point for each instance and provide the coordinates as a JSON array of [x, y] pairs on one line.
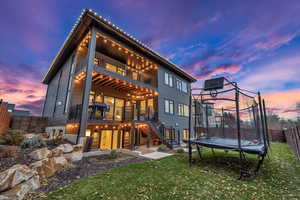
[[293, 139]]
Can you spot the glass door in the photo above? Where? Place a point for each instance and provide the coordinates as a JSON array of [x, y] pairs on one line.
[[110, 102], [106, 139], [118, 113]]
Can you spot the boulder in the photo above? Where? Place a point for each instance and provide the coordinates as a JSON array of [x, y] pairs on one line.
[[48, 166], [78, 147], [61, 162], [40, 154], [14, 176], [19, 191], [66, 148], [57, 152], [74, 156], [45, 168]]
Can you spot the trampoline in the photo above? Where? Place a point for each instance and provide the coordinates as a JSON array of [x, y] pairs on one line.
[[229, 118]]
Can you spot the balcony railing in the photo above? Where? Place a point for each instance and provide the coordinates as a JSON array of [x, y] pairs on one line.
[[129, 113], [122, 69]]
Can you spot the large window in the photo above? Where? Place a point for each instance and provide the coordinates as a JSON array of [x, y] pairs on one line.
[[181, 85], [185, 134], [168, 79], [110, 102], [169, 106], [115, 69], [119, 105], [183, 110]]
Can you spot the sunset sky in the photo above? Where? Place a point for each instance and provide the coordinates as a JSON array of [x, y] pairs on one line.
[[254, 42]]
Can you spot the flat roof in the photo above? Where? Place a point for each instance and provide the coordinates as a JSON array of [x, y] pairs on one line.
[[81, 27]]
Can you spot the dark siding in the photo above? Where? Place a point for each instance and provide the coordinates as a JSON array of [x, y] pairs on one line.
[[172, 93]]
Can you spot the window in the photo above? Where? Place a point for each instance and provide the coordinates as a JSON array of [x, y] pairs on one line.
[[185, 134], [168, 79], [121, 71], [183, 110], [184, 87], [111, 67], [169, 106], [134, 75], [181, 85]]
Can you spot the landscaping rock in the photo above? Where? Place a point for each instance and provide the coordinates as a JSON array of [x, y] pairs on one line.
[[19, 191], [61, 162], [57, 152], [45, 168], [78, 147], [66, 148], [73, 157], [14, 176], [40, 154]]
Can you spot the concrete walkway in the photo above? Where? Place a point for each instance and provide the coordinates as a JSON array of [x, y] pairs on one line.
[[156, 155]]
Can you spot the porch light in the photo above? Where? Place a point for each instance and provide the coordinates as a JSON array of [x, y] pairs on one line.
[[88, 132]]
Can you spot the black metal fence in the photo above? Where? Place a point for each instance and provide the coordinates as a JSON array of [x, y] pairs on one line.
[[293, 139]]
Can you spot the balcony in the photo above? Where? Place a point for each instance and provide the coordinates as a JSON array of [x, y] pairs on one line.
[[99, 112], [120, 69]]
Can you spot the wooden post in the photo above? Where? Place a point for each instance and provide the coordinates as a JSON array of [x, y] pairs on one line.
[[87, 84]]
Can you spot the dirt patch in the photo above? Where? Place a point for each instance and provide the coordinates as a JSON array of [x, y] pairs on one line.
[[85, 167]]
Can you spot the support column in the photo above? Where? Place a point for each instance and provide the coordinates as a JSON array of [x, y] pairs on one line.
[[132, 136], [87, 85]]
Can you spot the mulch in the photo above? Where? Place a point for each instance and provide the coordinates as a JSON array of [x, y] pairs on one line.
[[86, 167]]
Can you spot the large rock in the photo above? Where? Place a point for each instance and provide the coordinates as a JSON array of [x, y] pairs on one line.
[[45, 168], [74, 156], [61, 162], [66, 148], [57, 152], [78, 147], [19, 191], [14, 176], [40, 154]]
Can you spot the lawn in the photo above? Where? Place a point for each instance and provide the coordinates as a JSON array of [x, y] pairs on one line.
[[214, 177]]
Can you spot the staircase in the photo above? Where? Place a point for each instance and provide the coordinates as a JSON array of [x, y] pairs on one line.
[[158, 129]]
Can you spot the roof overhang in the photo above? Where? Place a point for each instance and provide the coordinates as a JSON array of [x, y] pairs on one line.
[[81, 28]]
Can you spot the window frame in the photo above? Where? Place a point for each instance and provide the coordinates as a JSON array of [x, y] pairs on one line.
[[168, 79], [167, 105]]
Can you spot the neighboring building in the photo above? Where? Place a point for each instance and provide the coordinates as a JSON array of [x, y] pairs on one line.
[[106, 85], [15, 112], [4, 117]]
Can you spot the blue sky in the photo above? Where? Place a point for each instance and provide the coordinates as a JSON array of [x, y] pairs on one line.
[[254, 42]]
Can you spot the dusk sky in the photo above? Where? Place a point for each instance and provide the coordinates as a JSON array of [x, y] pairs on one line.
[[254, 42]]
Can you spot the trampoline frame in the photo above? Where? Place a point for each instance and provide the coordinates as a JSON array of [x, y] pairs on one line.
[[239, 148]]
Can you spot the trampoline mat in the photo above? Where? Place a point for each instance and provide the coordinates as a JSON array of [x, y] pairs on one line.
[[230, 144]]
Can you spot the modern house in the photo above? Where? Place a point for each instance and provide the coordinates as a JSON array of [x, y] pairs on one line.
[[108, 89]]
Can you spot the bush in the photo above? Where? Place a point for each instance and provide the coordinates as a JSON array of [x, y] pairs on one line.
[[113, 154], [55, 142], [163, 148], [180, 150], [35, 142], [12, 137]]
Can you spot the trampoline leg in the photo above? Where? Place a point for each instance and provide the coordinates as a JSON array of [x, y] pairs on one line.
[[261, 160], [199, 151], [243, 171]]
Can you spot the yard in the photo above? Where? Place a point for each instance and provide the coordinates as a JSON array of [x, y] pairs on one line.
[[213, 178]]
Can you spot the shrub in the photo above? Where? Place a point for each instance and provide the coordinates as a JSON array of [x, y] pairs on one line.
[[12, 137], [180, 150], [113, 154], [163, 148], [55, 142], [35, 142]]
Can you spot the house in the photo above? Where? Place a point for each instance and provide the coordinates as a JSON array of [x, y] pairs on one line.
[[4, 117], [16, 112], [108, 89]]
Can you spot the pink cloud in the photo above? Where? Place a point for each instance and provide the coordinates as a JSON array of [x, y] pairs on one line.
[[221, 69]]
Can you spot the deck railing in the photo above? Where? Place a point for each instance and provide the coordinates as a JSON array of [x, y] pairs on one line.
[[101, 61], [130, 113]]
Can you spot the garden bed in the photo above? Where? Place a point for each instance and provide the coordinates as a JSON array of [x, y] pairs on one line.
[[86, 167]]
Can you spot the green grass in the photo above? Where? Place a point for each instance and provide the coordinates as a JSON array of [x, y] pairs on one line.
[[215, 177]]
